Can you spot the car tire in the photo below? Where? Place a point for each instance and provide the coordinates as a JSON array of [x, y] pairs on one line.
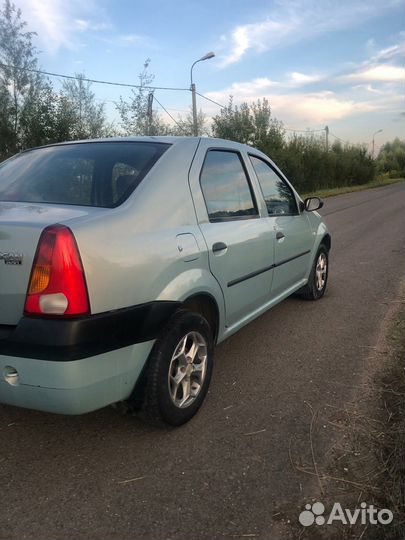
[[318, 277], [179, 370]]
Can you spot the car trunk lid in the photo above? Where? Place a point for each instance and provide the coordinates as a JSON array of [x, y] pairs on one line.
[[21, 225]]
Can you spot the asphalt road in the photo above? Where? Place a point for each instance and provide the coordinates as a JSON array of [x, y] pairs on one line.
[[228, 473]]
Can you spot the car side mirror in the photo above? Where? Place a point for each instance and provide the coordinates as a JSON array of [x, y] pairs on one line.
[[313, 203]]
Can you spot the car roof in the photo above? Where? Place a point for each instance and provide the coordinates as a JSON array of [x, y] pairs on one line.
[[168, 139]]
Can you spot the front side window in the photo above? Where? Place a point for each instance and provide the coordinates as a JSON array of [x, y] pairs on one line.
[[225, 187], [278, 195], [87, 174]]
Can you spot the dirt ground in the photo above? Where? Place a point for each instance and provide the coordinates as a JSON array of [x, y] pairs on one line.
[[366, 464]]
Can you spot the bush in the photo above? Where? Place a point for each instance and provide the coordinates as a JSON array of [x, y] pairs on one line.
[[303, 158], [391, 159]]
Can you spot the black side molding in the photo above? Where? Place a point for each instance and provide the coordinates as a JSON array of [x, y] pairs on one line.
[[73, 339], [262, 270]]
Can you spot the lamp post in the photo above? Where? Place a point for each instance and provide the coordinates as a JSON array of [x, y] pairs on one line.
[[374, 134], [193, 91]]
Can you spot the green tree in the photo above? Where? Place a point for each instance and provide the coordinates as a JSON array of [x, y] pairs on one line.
[[37, 119], [391, 158], [64, 119], [7, 137], [234, 123], [20, 87], [250, 124], [303, 158], [185, 125], [86, 118], [137, 118]]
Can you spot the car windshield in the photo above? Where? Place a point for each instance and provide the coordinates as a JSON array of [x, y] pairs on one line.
[[100, 174]]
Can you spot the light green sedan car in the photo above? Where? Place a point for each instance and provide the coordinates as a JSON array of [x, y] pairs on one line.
[[124, 261]]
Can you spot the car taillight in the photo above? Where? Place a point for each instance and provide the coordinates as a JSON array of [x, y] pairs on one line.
[[57, 284]]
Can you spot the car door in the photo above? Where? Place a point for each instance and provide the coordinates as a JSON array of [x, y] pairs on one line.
[[293, 235], [240, 243]]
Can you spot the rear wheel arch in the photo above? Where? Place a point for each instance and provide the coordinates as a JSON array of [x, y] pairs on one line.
[[202, 304], [205, 305], [181, 361]]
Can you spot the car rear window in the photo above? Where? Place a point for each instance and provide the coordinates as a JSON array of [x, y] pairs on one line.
[[100, 174]]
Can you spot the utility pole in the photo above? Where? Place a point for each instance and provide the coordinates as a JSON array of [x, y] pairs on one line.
[[374, 134], [149, 111], [194, 106], [193, 92], [327, 138]]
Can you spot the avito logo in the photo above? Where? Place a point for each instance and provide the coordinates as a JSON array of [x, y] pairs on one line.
[[314, 513]]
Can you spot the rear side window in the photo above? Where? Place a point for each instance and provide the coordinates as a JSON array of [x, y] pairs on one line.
[[225, 187], [87, 174], [279, 197]]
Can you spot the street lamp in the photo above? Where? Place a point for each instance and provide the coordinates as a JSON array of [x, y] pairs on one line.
[[374, 134], [193, 92]]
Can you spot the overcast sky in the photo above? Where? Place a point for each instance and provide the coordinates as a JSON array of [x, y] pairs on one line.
[[339, 63]]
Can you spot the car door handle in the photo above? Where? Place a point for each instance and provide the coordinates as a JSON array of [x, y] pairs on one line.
[[280, 235], [219, 246]]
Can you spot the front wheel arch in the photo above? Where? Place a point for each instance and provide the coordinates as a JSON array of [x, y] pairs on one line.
[[326, 241], [310, 291]]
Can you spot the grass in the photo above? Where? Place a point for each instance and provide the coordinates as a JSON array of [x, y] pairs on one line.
[[390, 449], [374, 443], [366, 462], [378, 182]]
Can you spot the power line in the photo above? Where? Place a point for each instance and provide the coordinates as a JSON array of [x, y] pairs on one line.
[[339, 139], [167, 112], [127, 85], [348, 142], [96, 81], [287, 129], [178, 110], [212, 101], [303, 130]]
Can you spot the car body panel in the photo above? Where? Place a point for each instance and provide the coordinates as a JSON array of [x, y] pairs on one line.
[[243, 291], [231, 266], [75, 387], [21, 225], [292, 251], [155, 246]]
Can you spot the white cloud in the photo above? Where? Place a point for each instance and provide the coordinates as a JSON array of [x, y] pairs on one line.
[[377, 55], [59, 23], [379, 73], [131, 39], [388, 53], [302, 109], [82, 24], [324, 107], [128, 40], [301, 79], [294, 21], [66, 24], [253, 36], [292, 80], [251, 88], [368, 88], [86, 25]]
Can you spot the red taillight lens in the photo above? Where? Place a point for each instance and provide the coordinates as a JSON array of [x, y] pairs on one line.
[[57, 285]]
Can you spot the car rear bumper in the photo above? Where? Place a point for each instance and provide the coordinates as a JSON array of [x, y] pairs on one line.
[[78, 365], [67, 339], [73, 387]]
